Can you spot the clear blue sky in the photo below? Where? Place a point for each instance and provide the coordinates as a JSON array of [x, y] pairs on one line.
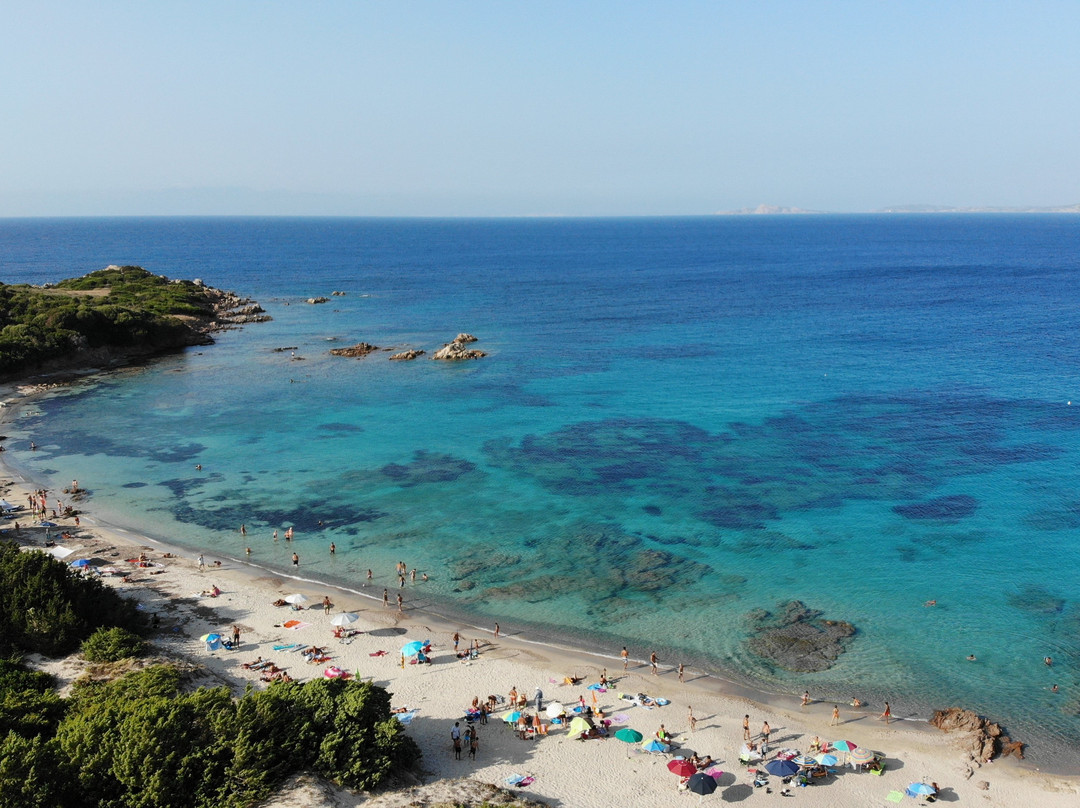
[[546, 108]]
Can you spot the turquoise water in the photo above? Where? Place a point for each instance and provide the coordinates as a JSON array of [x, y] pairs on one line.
[[680, 422]]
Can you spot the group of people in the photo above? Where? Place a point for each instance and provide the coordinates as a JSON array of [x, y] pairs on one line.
[[470, 739]]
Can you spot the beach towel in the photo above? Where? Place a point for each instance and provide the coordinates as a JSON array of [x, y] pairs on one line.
[[620, 718], [514, 779], [288, 647], [405, 718], [895, 796], [294, 625], [379, 653], [594, 686], [527, 781]]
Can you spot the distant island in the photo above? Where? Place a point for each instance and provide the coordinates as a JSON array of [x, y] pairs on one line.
[[109, 317], [781, 210]]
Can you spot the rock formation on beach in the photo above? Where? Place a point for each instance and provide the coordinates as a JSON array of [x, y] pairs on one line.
[[358, 351], [798, 639], [985, 739], [456, 350]]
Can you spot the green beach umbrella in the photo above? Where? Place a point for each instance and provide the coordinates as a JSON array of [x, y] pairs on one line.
[[579, 725]]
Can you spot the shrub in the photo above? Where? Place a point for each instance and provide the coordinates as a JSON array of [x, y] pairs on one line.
[[112, 645]]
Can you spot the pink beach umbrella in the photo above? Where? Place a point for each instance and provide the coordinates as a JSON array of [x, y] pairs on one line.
[[844, 746]]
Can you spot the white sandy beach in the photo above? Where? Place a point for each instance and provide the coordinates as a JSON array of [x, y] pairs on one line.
[[565, 771]]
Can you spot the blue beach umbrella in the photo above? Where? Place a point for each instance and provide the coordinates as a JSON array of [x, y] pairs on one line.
[[920, 790], [210, 637], [512, 716], [655, 746], [82, 562], [412, 648], [782, 768], [825, 759]]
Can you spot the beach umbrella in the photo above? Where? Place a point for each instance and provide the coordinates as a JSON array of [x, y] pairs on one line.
[[844, 746], [701, 784], [782, 768], [579, 725], [682, 768], [210, 637], [628, 735], [921, 790], [804, 760], [554, 710], [861, 755], [412, 648], [82, 562], [344, 619], [512, 716], [296, 599], [655, 745], [825, 759]]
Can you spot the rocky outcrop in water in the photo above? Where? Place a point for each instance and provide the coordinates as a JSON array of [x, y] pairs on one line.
[[358, 351], [985, 739], [316, 300], [456, 350], [406, 356], [798, 639]]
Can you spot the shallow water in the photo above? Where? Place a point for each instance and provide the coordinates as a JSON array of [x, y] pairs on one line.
[[679, 422]]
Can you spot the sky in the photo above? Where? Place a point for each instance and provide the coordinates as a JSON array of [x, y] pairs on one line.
[[579, 108]]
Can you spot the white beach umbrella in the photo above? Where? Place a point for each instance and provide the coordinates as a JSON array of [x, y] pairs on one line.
[[554, 710], [297, 598], [344, 619]]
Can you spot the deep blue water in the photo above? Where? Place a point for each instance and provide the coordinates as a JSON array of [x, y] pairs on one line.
[[680, 421]]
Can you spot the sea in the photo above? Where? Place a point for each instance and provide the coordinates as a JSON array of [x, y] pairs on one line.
[[681, 426]]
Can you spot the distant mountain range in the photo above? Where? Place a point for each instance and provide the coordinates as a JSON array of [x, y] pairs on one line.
[[780, 210]]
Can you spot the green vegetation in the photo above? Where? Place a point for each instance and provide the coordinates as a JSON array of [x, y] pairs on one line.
[[112, 645], [118, 307], [143, 739], [49, 608]]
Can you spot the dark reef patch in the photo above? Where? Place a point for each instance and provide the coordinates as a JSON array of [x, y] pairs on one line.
[[428, 467], [134, 485], [950, 508], [1037, 600], [339, 427]]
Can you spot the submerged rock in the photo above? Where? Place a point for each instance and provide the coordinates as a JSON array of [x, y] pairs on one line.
[[315, 300], [798, 640], [358, 351]]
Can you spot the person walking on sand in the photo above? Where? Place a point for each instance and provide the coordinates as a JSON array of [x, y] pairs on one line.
[[385, 597], [202, 563], [835, 716], [690, 718], [887, 714], [652, 661], [326, 604], [746, 728]]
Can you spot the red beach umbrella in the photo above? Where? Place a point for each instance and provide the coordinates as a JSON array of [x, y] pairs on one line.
[[682, 768]]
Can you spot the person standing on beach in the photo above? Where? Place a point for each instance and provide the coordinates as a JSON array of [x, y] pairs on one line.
[[835, 716], [690, 718], [295, 560], [326, 604], [474, 744], [496, 631], [235, 637], [652, 661], [455, 736], [887, 715], [625, 657], [457, 639], [746, 728], [400, 601], [202, 563], [682, 669], [766, 731], [805, 698], [385, 597]]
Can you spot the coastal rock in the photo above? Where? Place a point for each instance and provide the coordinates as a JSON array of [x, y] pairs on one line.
[[456, 350], [358, 351], [316, 300], [798, 640], [337, 294], [406, 356], [985, 739]]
